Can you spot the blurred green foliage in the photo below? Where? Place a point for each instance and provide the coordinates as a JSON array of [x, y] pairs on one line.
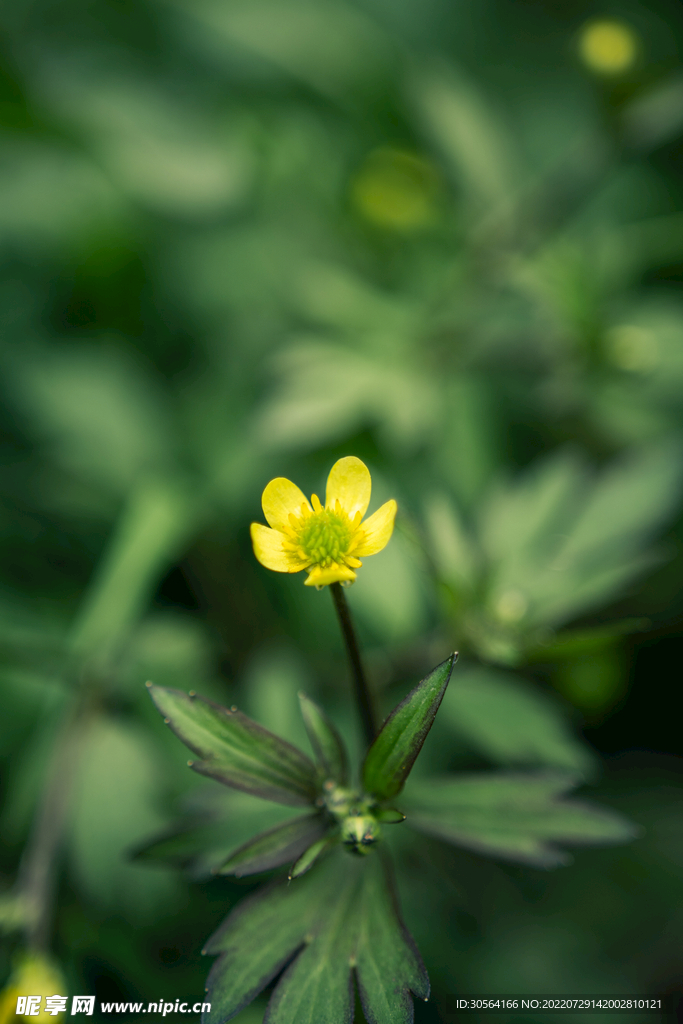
[[239, 240]]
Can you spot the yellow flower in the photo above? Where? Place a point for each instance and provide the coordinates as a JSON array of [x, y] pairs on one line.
[[34, 975], [327, 542]]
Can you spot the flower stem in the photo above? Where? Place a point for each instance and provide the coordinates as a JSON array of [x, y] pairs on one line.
[[362, 690]]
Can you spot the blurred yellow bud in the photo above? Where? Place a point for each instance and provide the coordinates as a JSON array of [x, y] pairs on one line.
[[395, 189], [608, 47], [33, 975]]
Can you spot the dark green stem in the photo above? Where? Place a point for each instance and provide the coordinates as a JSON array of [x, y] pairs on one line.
[[361, 688], [38, 869]]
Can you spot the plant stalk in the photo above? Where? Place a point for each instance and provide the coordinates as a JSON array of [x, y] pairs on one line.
[[361, 689], [38, 870]]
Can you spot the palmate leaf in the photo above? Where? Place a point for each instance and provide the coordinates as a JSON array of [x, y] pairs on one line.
[[564, 539], [392, 755], [514, 816], [327, 744], [236, 750], [339, 919]]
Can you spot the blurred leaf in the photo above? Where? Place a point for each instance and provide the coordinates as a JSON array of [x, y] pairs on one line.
[[632, 249], [159, 147], [595, 681], [154, 524], [100, 415], [272, 681], [169, 647], [340, 916], [51, 195], [559, 542], [328, 747], [655, 117], [390, 594], [511, 722], [204, 839], [329, 45], [627, 503], [283, 844], [115, 806], [513, 816], [572, 642], [393, 753], [471, 137], [236, 750], [453, 550], [325, 391]]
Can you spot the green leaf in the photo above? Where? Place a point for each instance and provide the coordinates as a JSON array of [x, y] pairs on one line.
[[474, 140], [514, 816], [151, 531], [331, 47], [327, 744], [511, 722], [571, 643], [115, 804], [236, 750], [204, 839], [390, 816], [283, 844], [392, 755], [340, 917], [310, 856], [561, 540]]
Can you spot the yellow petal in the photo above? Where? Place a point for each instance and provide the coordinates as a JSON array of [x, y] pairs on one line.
[[349, 483], [319, 577], [280, 498], [377, 530], [269, 548]]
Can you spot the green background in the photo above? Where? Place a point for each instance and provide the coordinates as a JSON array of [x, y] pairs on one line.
[[243, 239]]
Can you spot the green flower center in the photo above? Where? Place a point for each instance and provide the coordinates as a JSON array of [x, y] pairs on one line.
[[325, 538]]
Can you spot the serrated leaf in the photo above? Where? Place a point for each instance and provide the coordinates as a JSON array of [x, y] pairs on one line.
[[340, 917], [236, 750], [280, 845], [392, 755], [327, 744], [511, 722], [517, 817]]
